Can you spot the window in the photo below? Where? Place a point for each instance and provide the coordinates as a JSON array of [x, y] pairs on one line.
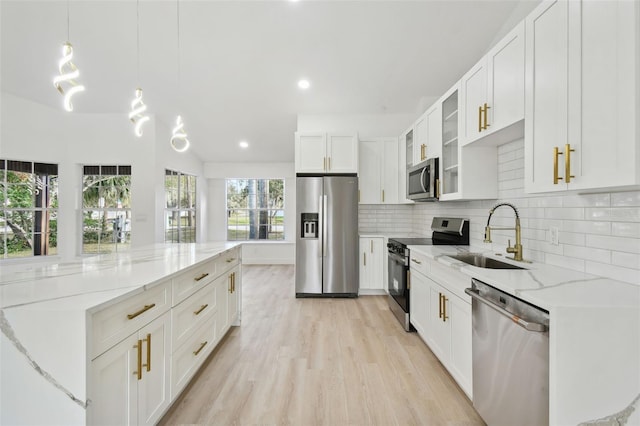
[[255, 209], [28, 209], [106, 209], [180, 207]]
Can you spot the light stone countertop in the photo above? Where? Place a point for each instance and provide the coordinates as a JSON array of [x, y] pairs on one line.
[[594, 335]]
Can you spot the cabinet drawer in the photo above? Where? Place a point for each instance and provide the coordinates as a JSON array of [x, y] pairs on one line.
[[227, 260], [186, 360], [418, 263], [191, 313], [115, 323], [452, 280], [184, 285]]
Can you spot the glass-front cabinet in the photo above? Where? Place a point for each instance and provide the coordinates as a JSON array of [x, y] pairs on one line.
[[450, 159]]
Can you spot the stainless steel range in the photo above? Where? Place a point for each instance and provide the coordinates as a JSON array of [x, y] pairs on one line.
[[446, 231]]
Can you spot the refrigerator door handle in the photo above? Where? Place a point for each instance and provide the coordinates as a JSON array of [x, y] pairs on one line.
[[324, 226], [321, 224]]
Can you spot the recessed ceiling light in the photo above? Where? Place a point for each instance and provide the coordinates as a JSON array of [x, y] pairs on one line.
[[304, 84], [244, 144]]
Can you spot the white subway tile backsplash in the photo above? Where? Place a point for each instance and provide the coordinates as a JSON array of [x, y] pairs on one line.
[[621, 229], [588, 253], [625, 214], [565, 262], [628, 245], [588, 200], [626, 260], [571, 213], [586, 227], [571, 238], [614, 272], [597, 213], [626, 199]]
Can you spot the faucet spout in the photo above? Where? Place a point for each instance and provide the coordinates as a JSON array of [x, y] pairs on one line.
[[517, 249]]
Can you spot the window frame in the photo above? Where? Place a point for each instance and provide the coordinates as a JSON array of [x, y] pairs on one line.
[[181, 233]]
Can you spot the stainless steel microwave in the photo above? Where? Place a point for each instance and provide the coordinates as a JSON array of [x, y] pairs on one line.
[[422, 181]]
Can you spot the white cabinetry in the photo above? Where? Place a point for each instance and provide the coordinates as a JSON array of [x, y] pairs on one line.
[[582, 79], [427, 134], [326, 153], [441, 313], [466, 172], [405, 161], [131, 380], [378, 174], [372, 265], [492, 93]]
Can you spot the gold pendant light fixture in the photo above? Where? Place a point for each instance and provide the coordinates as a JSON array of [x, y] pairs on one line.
[[68, 73], [138, 115], [179, 140]]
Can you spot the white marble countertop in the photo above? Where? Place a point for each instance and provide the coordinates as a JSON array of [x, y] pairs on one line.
[[87, 283], [594, 335]]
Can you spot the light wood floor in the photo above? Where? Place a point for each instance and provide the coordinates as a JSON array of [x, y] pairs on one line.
[[319, 362]]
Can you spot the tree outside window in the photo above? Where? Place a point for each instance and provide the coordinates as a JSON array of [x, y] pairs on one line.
[[106, 209], [180, 207], [255, 209], [28, 209]]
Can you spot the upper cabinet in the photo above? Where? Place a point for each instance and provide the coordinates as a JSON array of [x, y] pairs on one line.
[[326, 153], [405, 161], [378, 174], [492, 92], [466, 172], [582, 92]]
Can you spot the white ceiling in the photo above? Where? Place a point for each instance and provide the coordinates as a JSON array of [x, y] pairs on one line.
[[240, 60]]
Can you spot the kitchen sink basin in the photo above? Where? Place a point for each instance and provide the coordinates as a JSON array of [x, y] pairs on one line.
[[481, 261]]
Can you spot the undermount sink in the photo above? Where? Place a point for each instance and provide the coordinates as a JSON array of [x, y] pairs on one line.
[[482, 261]]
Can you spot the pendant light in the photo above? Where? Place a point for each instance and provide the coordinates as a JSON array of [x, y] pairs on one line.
[[68, 72], [179, 140], [138, 108]]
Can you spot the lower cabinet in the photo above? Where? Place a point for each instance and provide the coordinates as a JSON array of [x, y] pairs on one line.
[[443, 321], [130, 381], [372, 265], [135, 381]]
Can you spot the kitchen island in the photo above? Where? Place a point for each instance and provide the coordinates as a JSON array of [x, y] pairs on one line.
[[594, 333], [63, 322]]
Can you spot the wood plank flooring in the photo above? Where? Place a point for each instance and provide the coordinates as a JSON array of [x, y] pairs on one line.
[[318, 362]]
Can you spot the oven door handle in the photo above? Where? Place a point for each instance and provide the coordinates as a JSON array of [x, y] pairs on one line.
[[397, 258]]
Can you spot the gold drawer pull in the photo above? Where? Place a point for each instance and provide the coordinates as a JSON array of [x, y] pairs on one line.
[[444, 308], [416, 261], [567, 163], [204, 275], [231, 259], [202, 308], [195, 353], [556, 152], [486, 107], [141, 311], [480, 118]]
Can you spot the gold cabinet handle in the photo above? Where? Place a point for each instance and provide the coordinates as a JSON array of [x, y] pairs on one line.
[[437, 188], [202, 308], [204, 275], [233, 282], [139, 372], [416, 261], [141, 311], [486, 124], [444, 308], [229, 287], [371, 245], [148, 364], [383, 195], [329, 162], [231, 259], [439, 305], [567, 163], [556, 152], [479, 119], [324, 163], [364, 257], [202, 345], [409, 280], [423, 152]]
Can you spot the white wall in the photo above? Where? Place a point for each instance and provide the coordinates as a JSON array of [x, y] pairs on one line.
[[599, 233], [255, 252], [34, 132], [367, 125]]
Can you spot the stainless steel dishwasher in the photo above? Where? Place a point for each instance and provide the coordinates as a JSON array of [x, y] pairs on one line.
[[510, 347]]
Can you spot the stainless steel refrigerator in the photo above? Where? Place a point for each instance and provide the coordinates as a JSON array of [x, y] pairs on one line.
[[327, 236]]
